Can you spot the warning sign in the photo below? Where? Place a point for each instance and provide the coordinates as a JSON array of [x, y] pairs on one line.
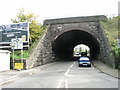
[[18, 65]]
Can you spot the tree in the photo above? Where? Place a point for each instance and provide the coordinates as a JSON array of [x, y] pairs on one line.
[[35, 28]]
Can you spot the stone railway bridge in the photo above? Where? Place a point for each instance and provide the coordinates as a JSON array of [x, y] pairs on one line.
[[62, 35]]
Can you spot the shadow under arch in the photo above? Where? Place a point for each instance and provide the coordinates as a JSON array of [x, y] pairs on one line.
[[64, 43]]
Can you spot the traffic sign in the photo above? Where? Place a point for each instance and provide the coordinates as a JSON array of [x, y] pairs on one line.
[[17, 43], [18, 65]]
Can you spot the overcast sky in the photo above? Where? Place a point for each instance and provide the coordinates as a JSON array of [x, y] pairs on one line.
[[49, 9]]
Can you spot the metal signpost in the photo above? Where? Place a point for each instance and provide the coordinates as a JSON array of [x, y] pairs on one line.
[[118, 43], [17, 43], [15, 36], [13, 47]]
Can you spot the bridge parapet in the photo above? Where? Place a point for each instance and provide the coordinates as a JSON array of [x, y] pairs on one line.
[[76, 20]]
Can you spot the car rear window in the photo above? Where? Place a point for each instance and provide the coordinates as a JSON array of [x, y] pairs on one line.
[[84, 58]]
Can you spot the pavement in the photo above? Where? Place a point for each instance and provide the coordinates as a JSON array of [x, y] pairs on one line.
[[12, 75], [106, 69]]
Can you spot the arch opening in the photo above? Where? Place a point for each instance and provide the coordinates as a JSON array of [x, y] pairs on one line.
[[64, 44], [81, 50]]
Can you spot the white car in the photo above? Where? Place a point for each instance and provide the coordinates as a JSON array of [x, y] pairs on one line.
[[84, 61]]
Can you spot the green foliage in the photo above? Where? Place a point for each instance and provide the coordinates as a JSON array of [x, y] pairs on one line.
[[22, 17], [17, 53], [35, 28], [119, 67], [35, 31], [111, 30]]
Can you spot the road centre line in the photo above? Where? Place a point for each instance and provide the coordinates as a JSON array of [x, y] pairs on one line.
[[66, 83], [60, 83], [69, 69], [65, 77]]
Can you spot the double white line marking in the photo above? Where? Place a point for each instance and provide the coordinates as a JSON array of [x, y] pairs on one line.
[[64, 80]]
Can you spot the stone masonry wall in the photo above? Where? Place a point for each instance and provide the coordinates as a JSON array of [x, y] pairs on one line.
[[95, 29], [42, 52], [105, 48]]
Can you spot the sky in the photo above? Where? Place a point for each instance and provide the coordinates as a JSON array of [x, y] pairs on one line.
[[50, 9]]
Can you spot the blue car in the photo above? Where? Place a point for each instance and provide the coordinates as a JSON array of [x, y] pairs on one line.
[[84, 61]]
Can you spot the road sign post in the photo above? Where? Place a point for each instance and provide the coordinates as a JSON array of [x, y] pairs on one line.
[[13, 59], [12, 47], [17, 43], [119, 43], [21, 55]]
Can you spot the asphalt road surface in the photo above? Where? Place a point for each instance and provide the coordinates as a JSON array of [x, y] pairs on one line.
[[66, 74]]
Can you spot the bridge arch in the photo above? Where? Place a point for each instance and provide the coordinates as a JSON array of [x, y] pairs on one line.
[[64, 43], [63, 34]]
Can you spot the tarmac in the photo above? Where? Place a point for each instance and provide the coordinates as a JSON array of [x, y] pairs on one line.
[[12, 75], [106, 69]]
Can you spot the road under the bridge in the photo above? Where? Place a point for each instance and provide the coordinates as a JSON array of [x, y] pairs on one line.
[[64, 43], [65, 74]]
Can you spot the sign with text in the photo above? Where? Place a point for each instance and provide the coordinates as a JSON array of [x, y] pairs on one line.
[[17, 43], [9, 32], [18, 65]]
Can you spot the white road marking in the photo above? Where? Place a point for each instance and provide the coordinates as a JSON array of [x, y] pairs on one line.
[[71, 66], [69, 69], [66, 83], [60, 83], [65, 77], [74, 62], [67, 72]]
